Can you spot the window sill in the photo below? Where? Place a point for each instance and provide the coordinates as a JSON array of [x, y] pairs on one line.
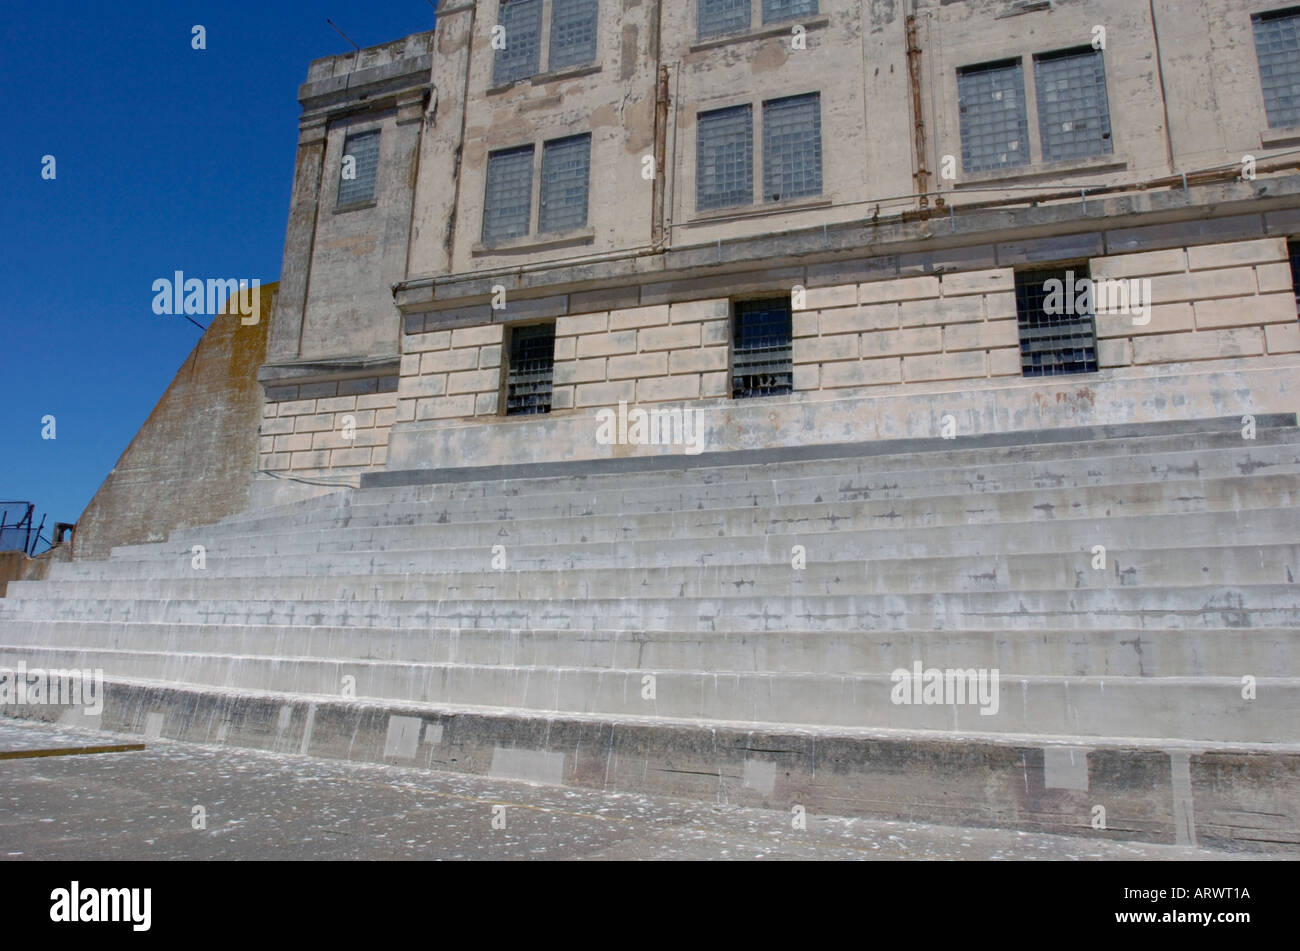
[[1092, 166], [354, 206], [538, 79], [757, 211], [530, 243], [1275, 138], [782, 29]]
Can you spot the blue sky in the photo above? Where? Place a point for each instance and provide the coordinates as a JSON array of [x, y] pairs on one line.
[[167, 159]]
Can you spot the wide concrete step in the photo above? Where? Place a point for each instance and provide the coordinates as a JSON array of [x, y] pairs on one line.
[[1219, 652], [1210, 709], [1229, 565], [1135, 497], [1222, 795], [739, 537], [1197, 607], [1197, 447], [793, 487]]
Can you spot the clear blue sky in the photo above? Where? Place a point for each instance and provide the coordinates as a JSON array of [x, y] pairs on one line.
[[168, 159]]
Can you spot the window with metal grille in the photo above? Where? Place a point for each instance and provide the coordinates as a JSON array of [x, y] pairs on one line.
[[1277, 45], [716, 17], [1055, 339], [573, 33], [774, 11], [566, 164], [724, 166], [518, 58], [1073, 110], [792, 147], [529, 371], [1293, 247], [362, 150], [762, 355], [994, 127], [507, 206]]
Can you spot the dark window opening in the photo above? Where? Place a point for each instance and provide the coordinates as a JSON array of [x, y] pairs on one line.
[[530, 370], [762, 358], [1058, 333]]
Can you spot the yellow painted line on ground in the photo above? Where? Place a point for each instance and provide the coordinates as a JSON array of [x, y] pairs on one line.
[[70, 751]]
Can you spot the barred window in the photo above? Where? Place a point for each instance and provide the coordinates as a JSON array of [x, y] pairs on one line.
[[530, 370], [1055, 337], [1277, 45], [518, 58], [994, 128], [774, 11], [716, 17], [507, 206], [573, 33], [724, 166], [358, 168], [1073, 110], [565, 167], [792, 147], [762, 353]]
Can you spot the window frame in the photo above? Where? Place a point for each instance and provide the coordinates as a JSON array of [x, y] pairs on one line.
[[536, 195], [496, 239], [1256, 19], [758, 156], [759, 304], [509, 359], [546, 49], [369, 201], [1080, 270], [1107, 137]]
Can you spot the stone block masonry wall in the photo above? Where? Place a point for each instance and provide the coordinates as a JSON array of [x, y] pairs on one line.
[[918, 329], [1208, 302], [449, 374], [317, 428]]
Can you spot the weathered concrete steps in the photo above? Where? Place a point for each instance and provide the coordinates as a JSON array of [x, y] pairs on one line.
[[731, 628]]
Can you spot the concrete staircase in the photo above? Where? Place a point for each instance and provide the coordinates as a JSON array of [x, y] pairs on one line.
[[728, 627]]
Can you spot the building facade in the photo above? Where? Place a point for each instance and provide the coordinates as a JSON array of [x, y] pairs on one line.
[[811, 221]]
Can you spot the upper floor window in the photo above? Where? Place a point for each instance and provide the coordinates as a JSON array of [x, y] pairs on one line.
[[994, 125], [508, 198], [718, 17], [791, 157], [1073, 111], [519, 50], [792, 147], [776, 11], [507, 205], [566, 166], [1277, 45], [358, 168], [521, 37], [573, 33], [724, 167]]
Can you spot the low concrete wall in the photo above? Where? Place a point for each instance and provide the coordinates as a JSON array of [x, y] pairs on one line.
[[1175, 795]]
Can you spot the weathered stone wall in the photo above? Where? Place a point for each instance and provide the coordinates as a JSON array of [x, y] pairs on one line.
[[192, 461]]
